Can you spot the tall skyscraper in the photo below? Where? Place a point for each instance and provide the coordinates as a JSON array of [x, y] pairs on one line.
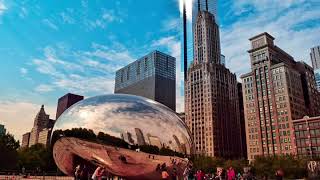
[[204, 5], [2, 130], [152, 76], [41, 122], [211, 95], [317, 76], [315, 59], [276, 91], [66, 101]]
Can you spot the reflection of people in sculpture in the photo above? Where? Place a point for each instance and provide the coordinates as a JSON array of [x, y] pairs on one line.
[[279, 174], [99, 174], [164, 173], [77, 172]]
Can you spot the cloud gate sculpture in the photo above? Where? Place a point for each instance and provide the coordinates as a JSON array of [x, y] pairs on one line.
[[129, 136]]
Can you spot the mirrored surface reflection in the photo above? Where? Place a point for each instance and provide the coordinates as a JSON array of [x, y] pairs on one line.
[[128, 136]]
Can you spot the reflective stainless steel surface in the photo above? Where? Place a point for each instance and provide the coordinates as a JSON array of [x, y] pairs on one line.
[[127, 135]]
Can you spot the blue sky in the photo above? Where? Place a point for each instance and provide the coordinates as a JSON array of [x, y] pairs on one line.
[[49, 48]]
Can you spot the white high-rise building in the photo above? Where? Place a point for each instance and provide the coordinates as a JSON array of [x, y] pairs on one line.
[[315, 59]]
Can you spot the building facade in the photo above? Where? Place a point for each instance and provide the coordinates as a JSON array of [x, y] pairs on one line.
[[2, 130], [41, 122], [307, 137], [315, 57], [275, 92], [204, 5], [211, 95], [66, 101], [25, 140], [44, 136], [152, 76], [317, 76]]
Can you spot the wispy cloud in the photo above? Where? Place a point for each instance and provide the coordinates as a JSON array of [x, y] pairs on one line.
[[50, 24], [172, 24], [23, 71], [81, 71], [43, 88], [23, 12], [66, 18], [2, 7]]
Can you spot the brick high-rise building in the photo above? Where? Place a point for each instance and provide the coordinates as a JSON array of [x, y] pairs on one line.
[[152, 76], [276, 91], [307, 133], [211, 95], [66, 101]]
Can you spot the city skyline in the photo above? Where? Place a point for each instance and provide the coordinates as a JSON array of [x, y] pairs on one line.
[[28, 65]]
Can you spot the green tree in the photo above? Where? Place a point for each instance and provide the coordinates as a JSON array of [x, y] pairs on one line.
[[8, 149], [37, 156]]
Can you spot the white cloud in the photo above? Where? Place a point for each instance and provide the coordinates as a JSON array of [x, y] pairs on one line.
[[43, 88], [172, 24], [111, 16], [50, 24], [3, 7], [18, 117], [81, 72], [67, 18], [23, 71], [23, 12]]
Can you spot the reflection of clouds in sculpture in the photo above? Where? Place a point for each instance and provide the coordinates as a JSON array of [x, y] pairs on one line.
[[119, 114]]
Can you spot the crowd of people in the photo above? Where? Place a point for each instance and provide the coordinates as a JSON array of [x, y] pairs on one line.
[[83, 173], [230, 174]]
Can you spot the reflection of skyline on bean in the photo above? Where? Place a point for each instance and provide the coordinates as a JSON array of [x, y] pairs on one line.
[[123, 133], [154, 146], [134, 119]]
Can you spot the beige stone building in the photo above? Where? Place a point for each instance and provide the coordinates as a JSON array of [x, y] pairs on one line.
[[211, 95], [276, 91], [41, 122], [44, 137]]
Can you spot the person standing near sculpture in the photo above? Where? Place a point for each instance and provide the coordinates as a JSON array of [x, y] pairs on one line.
[[231, 174]]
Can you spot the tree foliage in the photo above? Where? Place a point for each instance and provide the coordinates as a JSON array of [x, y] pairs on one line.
[[8, 151], [292, 166], [37, 156]]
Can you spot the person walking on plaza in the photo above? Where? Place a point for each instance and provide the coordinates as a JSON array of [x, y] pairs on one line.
[[231, 174]]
